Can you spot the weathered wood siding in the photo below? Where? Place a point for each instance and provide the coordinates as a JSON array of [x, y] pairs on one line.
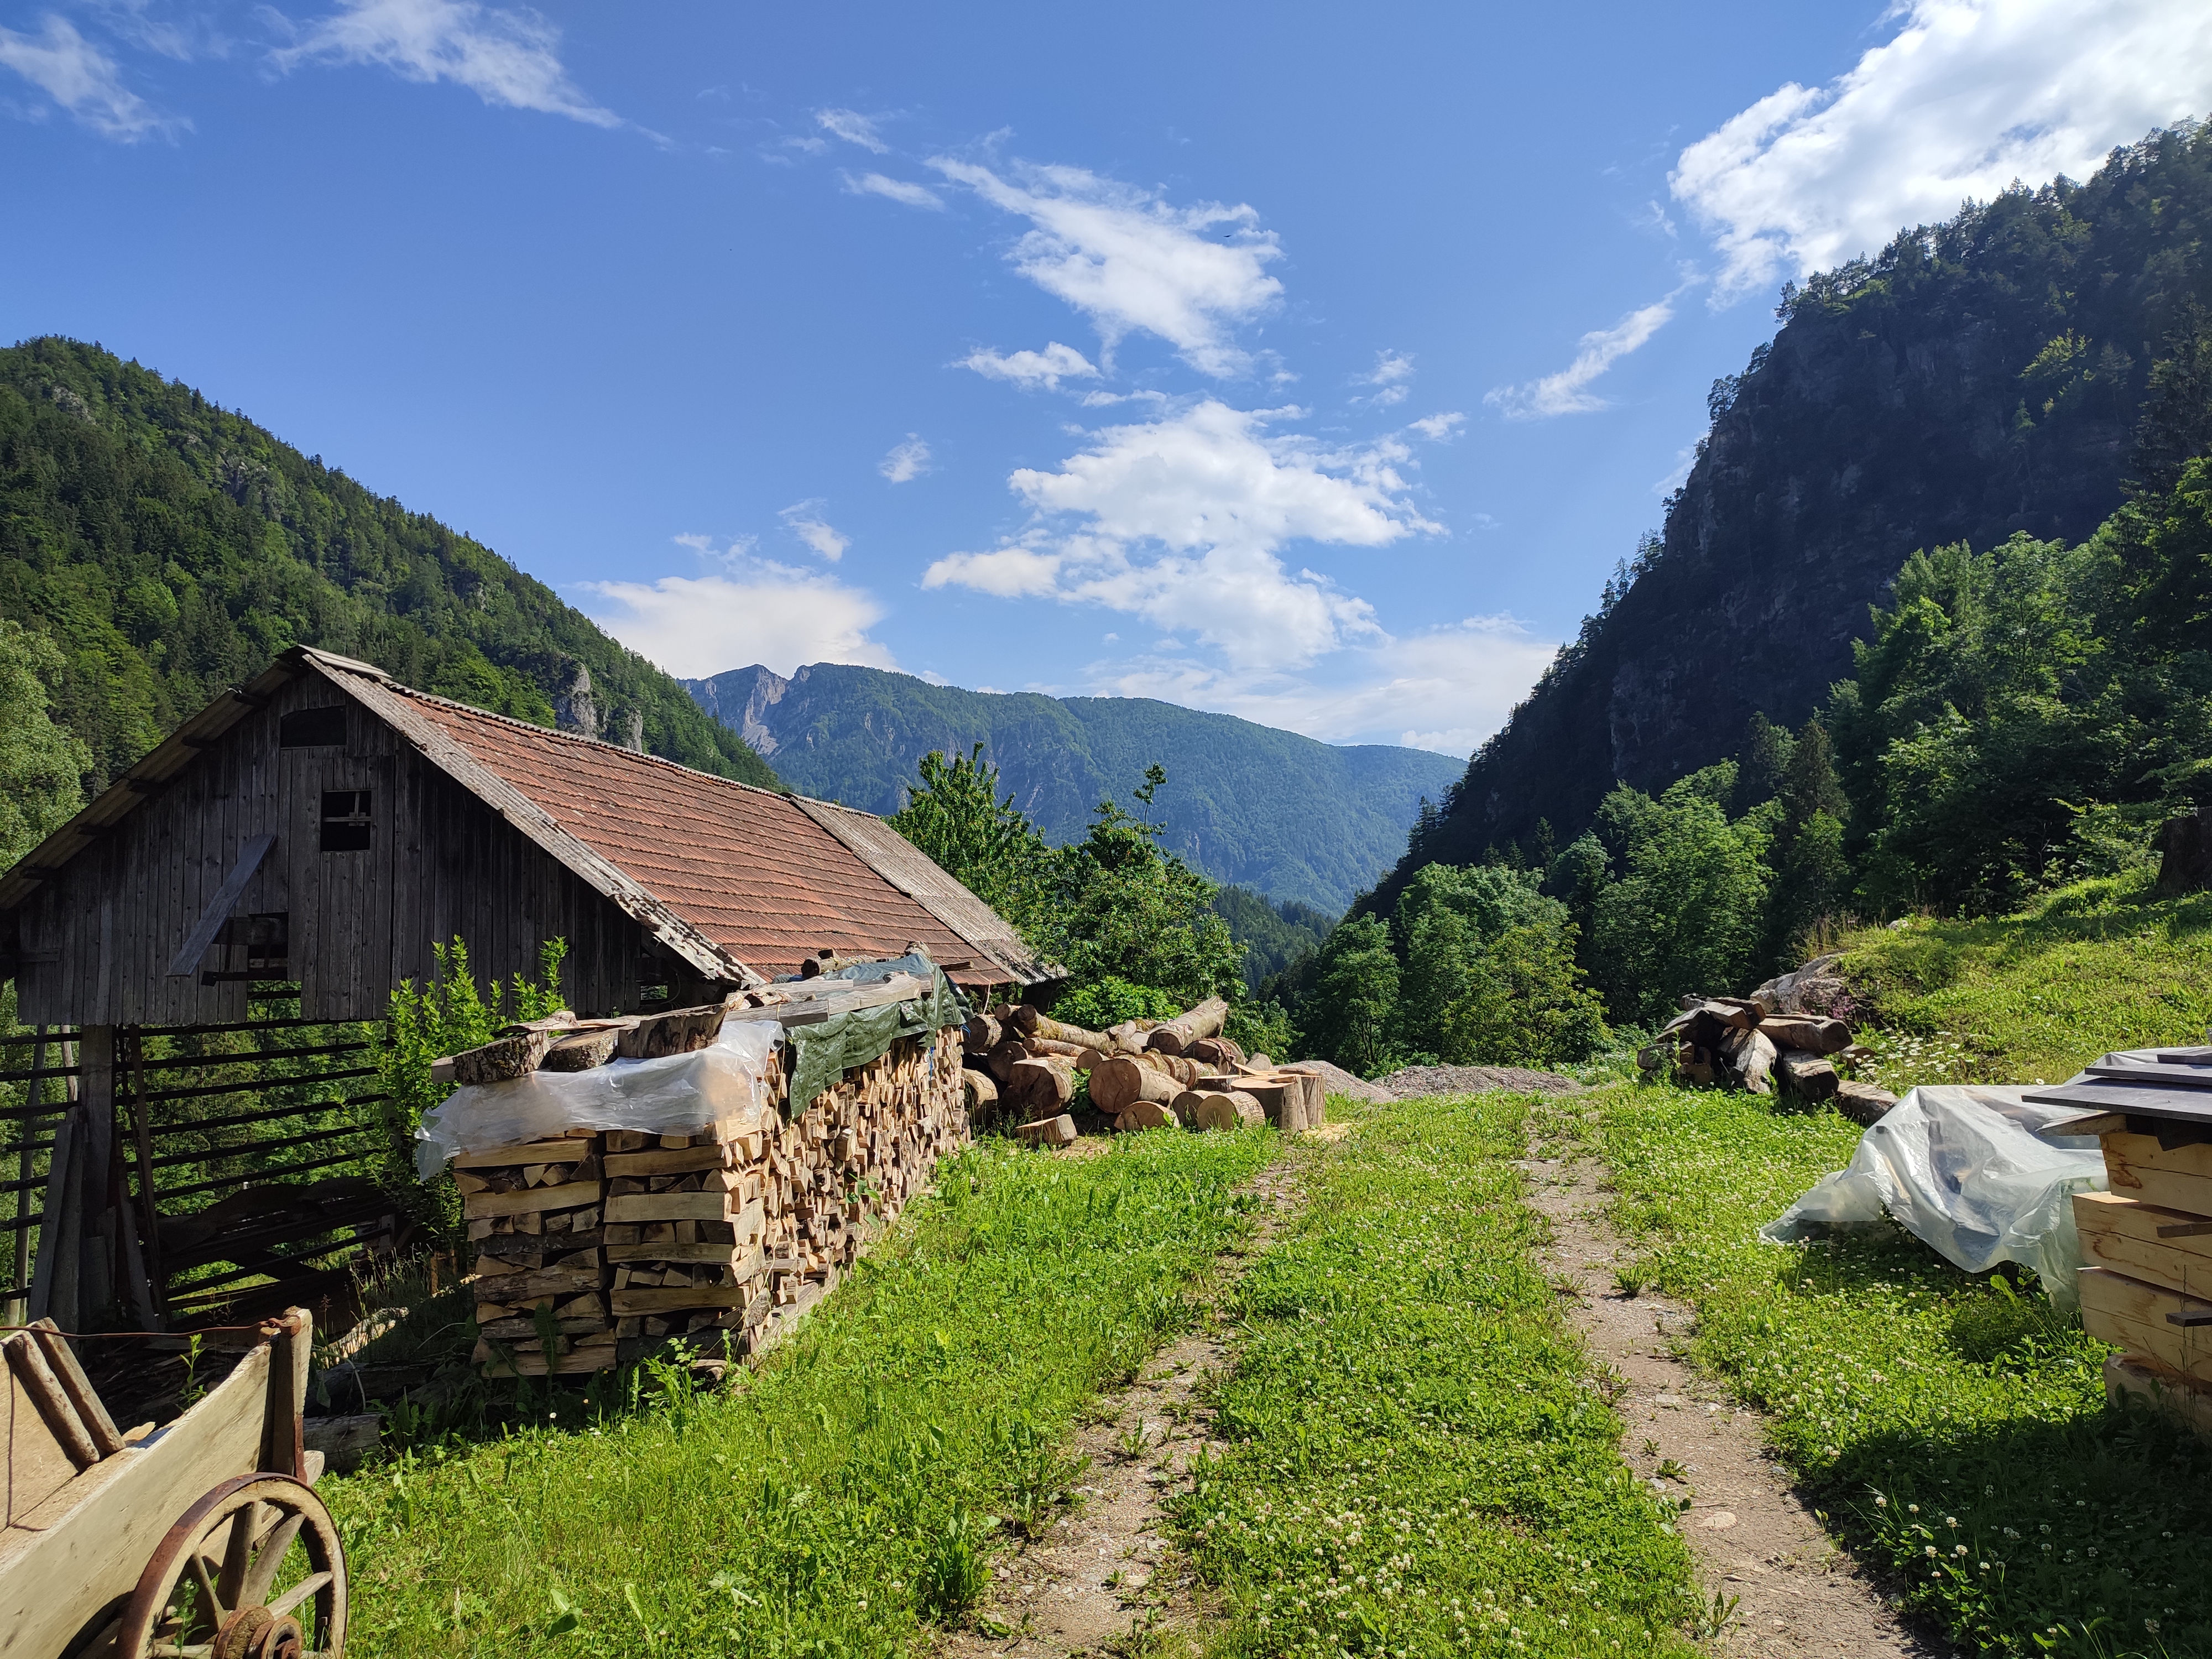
[[99, 938]]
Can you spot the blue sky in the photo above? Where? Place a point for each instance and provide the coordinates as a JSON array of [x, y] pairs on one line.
[[1316, 365]]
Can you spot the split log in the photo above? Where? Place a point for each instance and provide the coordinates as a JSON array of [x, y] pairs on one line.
[[582, 1052], [1229, 1108], [1810, 1032], [1807, 1075], [1863, 1103], [503, 1059], [1179, 1033], [981, 1034], [1049, 1131], [679, 1031], [1694, 1064], [1750, 1054], [1120, 1082]]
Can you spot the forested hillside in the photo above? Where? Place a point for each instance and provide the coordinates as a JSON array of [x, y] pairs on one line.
[[1268, 810], [169, 549], [1980, 378]]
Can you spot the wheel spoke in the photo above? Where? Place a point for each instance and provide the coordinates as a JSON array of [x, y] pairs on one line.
[[270, 1557], [215, 1611], [299, 1593], [237, 1553]]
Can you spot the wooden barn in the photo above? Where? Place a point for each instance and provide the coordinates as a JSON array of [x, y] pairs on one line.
[[312, 836]]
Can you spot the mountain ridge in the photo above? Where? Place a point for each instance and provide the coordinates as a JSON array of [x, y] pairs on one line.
[[171, 547], [1248, 805], [1977, 378]]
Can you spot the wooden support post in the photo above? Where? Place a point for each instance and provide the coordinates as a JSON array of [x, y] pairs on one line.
[[96, 1280], [147, 1271], [292, 1345], [34, 1096]]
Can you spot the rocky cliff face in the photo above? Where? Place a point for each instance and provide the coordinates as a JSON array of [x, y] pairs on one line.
[[1978, 380]]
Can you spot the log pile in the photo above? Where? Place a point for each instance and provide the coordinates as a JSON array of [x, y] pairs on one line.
[[610, 1243], [1024, 1067], [1754, 1043]]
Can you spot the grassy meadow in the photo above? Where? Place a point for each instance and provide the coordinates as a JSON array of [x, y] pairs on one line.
[[852, 1489], [1419, 1459]]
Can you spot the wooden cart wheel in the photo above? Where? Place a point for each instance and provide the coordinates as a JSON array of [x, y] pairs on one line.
[[253, 1571]]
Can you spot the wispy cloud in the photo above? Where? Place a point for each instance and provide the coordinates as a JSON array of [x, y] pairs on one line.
[[508, 58], [1568, 393], [1391, 374], [1183, 520], [80, 78], [804, 520], [853, 127], [1438, 429], [1132, 262], [907, 461], [1046, 368], [744, 609], [1967, 97], [896, 190]]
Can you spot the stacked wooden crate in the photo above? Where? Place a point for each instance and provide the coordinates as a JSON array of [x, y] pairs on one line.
[[729, 1233], [2146, 1279]]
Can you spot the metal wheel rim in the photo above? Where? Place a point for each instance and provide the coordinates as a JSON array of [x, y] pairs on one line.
[[218, 1545]]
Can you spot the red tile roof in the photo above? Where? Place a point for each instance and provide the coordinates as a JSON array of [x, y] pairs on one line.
[[745, 867]]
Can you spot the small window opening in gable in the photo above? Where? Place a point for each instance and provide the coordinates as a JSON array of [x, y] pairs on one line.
[[345, 821], [312, 728]]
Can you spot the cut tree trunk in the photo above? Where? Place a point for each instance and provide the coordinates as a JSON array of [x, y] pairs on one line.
[[1049, 1131], [1750, 1055], [1146, 1115], [1060, 1032], [1040, 1087], [1179, 1033], [981, 1034], [978, 1092], [1807, 1075], [1229, 1108], [1120, 1082], [1810, 1032]]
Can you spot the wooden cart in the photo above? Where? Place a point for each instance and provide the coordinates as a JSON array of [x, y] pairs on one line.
[[201, 1539]]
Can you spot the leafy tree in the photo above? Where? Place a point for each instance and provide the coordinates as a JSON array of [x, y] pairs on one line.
[[1116, 905], [956, 815], [1811, 876], [1688, 912], [1348, 1016], [1525, 1003], [40, 763], [1110, 1000]]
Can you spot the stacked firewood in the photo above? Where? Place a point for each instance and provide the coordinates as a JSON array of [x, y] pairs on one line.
[[610, 1243], [1751, 1043], [1143, 1074]]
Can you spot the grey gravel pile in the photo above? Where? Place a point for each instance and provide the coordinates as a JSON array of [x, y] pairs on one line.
[[1414, 1080]]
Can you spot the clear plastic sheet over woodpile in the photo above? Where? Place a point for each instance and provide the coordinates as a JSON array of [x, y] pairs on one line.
[[1970, 1172]]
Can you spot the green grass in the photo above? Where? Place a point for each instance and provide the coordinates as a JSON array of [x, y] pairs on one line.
[[1952, 1429], [849, 1493], [2102, 964], [1421, 1461]]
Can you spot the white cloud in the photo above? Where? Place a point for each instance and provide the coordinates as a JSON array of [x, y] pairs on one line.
[[1438, 429], [1027, 369], [1392, 370], [1180, 520], [806, 523], [907, 461], [896, 190], [1568, 393], [853, 127], [509, 59], [1970, 95], [1129, 261], [1444, 689], [83, 80], [695, 626]]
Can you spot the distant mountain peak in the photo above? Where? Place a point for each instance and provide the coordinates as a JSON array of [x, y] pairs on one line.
[[1284, 815]]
